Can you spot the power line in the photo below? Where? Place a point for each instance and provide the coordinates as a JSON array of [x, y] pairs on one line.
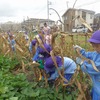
[[86, 4], [39, 11]]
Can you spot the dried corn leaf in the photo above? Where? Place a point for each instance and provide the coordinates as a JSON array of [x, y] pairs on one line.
[[7, 52], [53, 58], [85, 23], [80, 89], [80, 97], [23, 66], [19, 49], [93, 64]]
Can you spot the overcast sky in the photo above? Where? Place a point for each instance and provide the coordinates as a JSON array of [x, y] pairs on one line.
[[17, 10]]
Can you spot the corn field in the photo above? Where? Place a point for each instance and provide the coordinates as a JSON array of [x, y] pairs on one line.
[[80, 83]]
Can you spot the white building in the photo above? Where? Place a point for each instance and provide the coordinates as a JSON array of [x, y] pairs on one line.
[[70, 20]]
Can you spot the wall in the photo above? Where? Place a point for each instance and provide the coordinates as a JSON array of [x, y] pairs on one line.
[[89, 18]]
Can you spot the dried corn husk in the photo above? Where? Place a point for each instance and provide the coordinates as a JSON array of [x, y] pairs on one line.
[[52, 55], [85, 23]]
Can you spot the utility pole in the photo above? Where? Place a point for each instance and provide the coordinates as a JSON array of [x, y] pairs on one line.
[[48, 11], [67, 4]]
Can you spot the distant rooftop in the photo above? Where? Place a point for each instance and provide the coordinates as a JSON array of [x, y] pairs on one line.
[[97, 15], [85, 10], [37, 19]]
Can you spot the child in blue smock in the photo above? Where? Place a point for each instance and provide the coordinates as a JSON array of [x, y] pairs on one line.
[[41, 53], [12, 42], [69, 67], [88, 68]]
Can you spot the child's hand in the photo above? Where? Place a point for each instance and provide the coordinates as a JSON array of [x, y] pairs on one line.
[[77, 47], [54, 76], [79, 61], [37, 36]]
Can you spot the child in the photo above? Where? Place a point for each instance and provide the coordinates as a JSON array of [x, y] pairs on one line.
[[47, 39], [26, 36], [89, 67], [12, 42], [47, 34], [41, 53], [46, 29], [69, 67]]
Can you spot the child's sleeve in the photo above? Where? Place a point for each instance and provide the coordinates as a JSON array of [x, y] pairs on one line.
[[33, 43], [86, 54], [88, 68], [54, 75]]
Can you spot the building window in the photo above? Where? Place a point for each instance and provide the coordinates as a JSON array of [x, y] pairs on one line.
[[65, 18], [91, 16], [84, 17], [91, 24], [72, 17]]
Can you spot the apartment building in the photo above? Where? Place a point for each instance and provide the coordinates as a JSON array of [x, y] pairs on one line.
[[70, 18]]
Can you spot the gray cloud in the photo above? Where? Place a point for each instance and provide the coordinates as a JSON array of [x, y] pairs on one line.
[[9, 9]]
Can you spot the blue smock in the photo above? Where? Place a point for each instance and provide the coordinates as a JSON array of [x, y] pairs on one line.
[[95, 76], [69, 69], [12, 43]]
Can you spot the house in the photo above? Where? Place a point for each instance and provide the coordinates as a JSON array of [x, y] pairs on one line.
[[96, 21], [70, 18], [34, 23]]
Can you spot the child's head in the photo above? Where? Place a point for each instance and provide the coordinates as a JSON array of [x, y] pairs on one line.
[[96, 46], [95, 40], [49, 63], [45, 24]]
